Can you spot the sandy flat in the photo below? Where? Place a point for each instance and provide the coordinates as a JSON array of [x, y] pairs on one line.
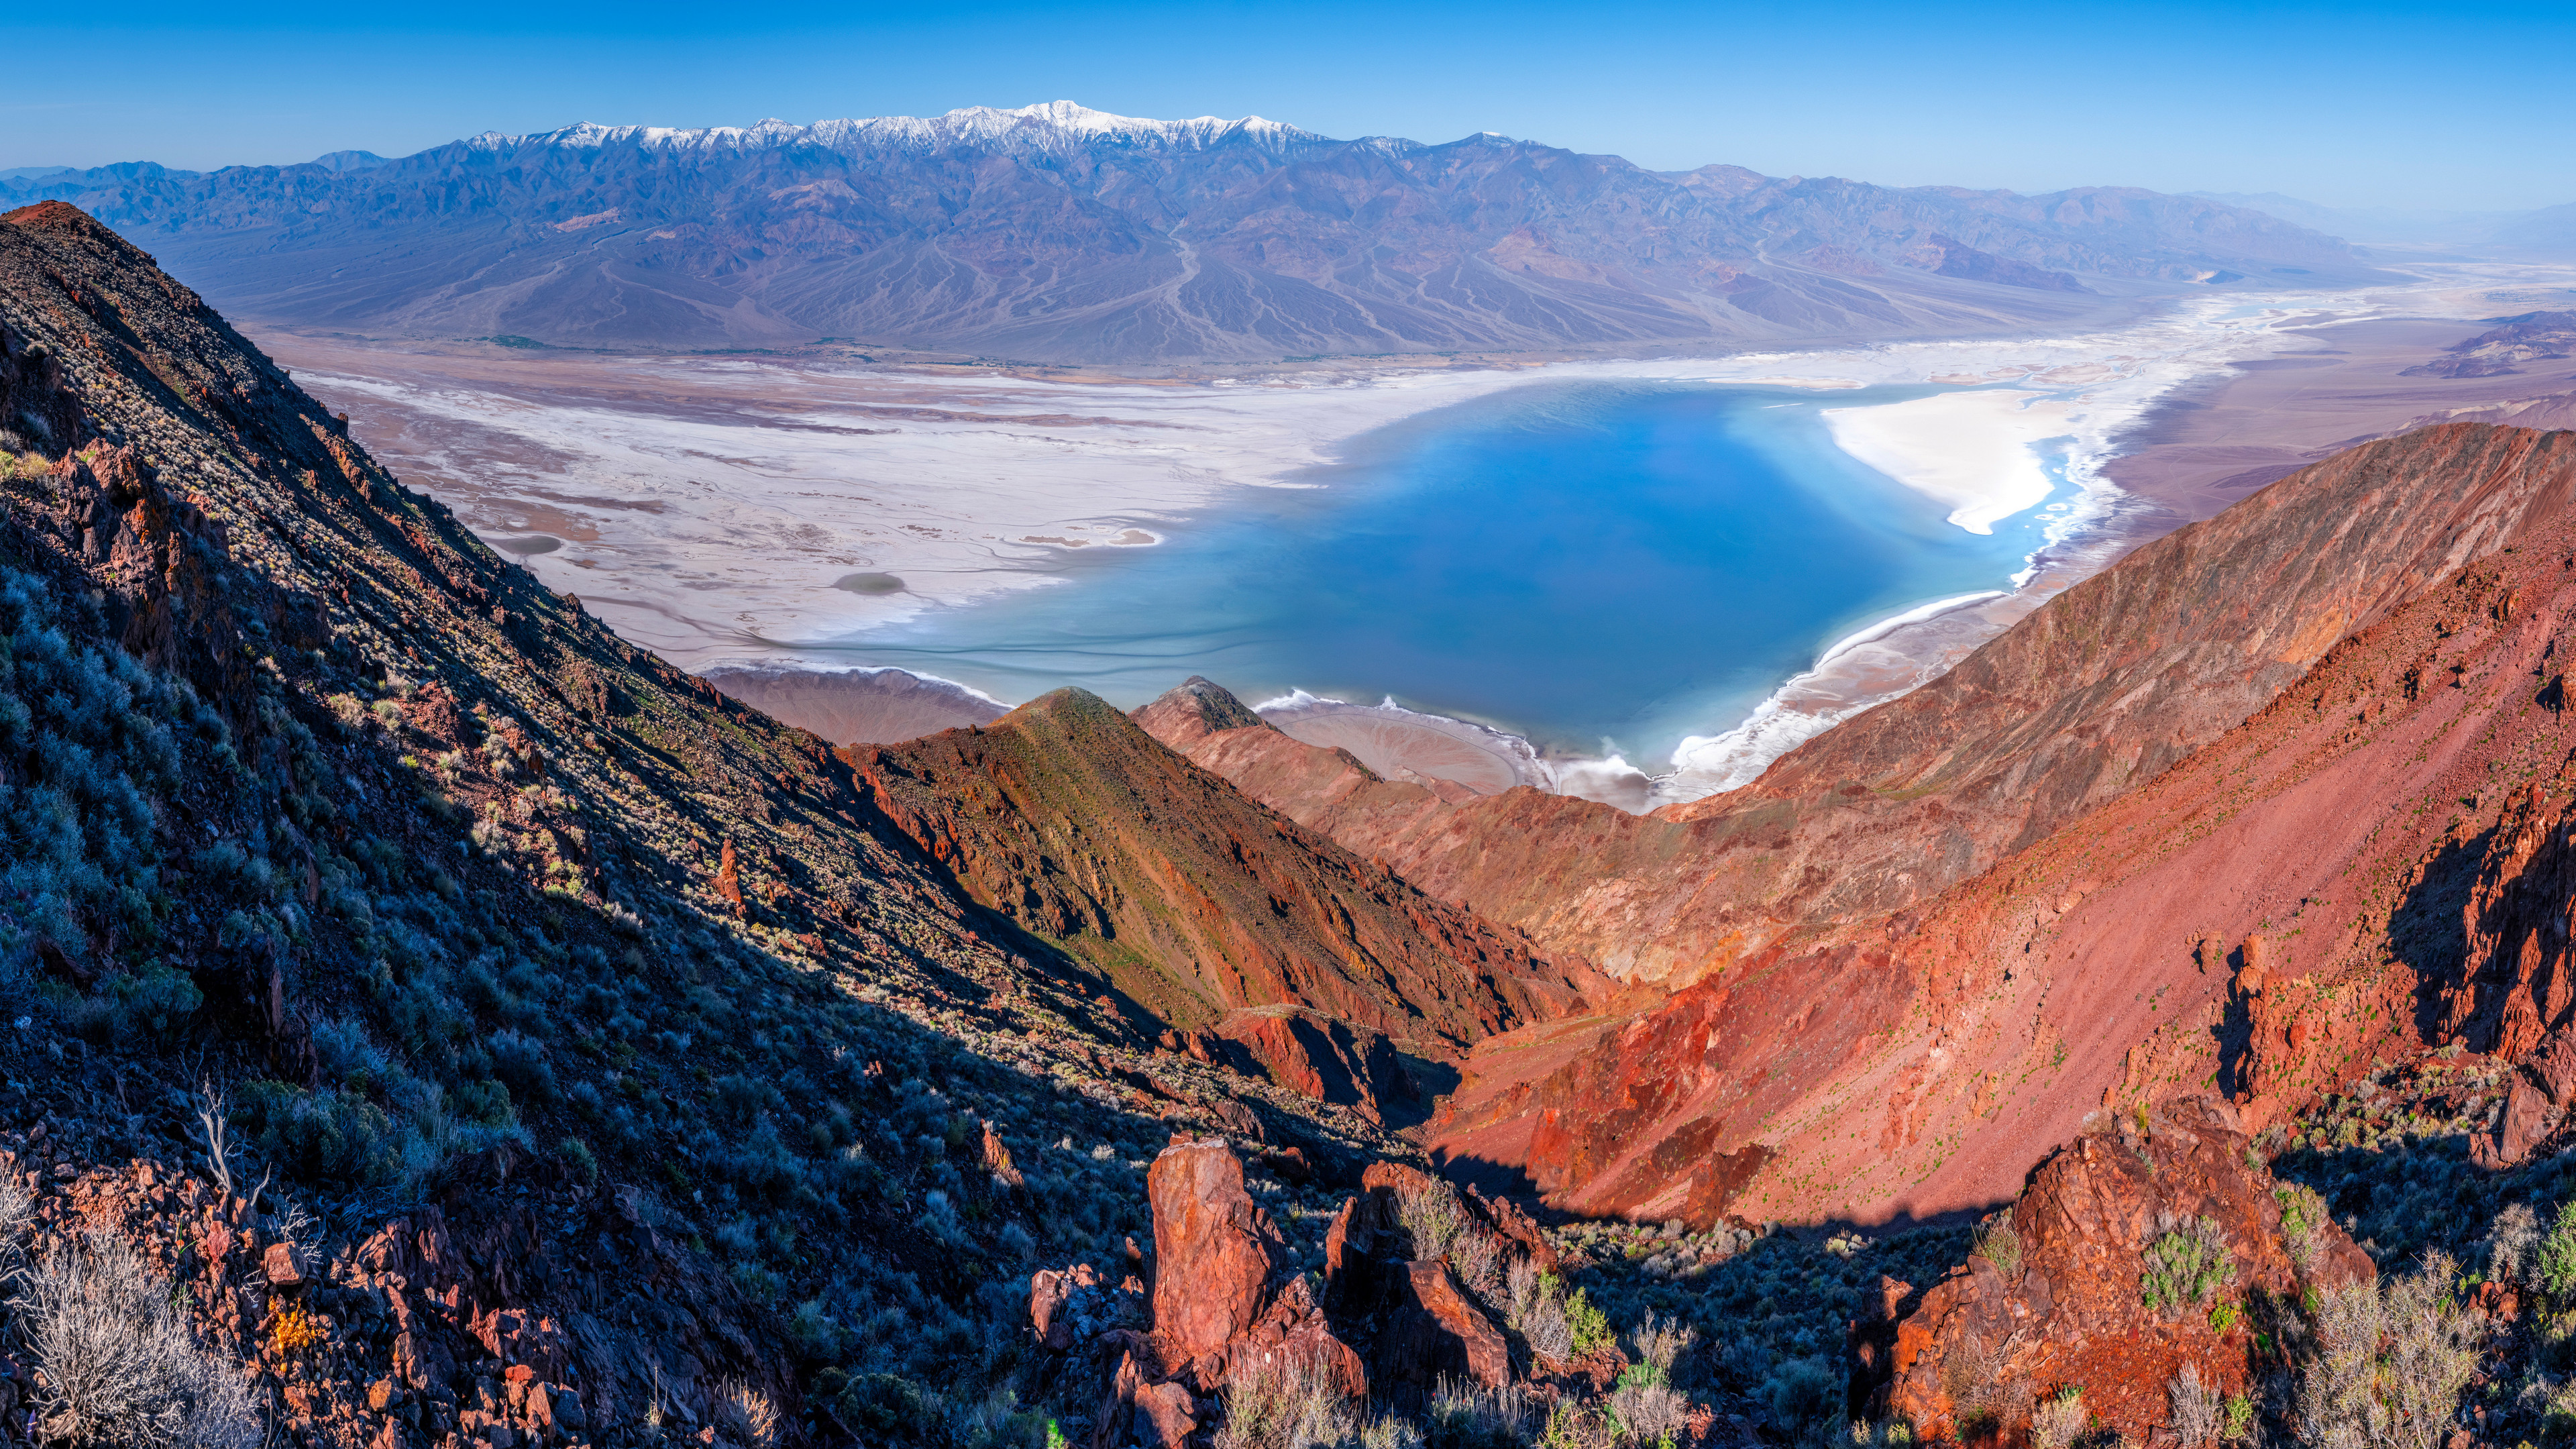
[[1975, 451], [1401, 744]]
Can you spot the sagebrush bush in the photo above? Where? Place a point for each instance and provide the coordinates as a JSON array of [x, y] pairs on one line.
[[2185, 1265], [1284, 1400], [2390, 1363], [120, 1369], [1806, 1400], [2510, 1241]]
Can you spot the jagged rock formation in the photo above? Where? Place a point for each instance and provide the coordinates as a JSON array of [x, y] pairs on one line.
[[1074, 822], [1421, 1285], [1059, 233]]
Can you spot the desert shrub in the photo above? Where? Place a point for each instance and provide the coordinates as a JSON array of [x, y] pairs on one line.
[[1537, 1314], [1805, 1397], [482, 1101], [1434, 1217], [2059, 1420], [2303, 1213], [1649, 1411], [332, 1136], [1589, 1326], [151, 1005], [120, 1369], [2554, 1262], [520, 1063], [1648, 1414], [2199, 1416], [2390, 1362], [1998, 1243], [1657, 1345], [1285, 1401], [2511, 1239], [1468, 1415], [2185, 1265]]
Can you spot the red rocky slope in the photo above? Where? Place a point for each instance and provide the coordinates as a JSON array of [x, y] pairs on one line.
[[1067, 817], [2260, 919]]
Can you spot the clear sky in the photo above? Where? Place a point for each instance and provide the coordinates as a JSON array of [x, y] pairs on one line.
[[2424, 105]]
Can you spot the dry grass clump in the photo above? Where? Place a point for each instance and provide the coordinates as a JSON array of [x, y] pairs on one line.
[[2390, 1364], [2199, 1414], [2059, 1420], [121, 1371], [1998, 1243], [1285, 1401], [748, 1413]]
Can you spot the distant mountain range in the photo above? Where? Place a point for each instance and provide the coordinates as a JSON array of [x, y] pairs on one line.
[[1055, 232], [2548, 229]]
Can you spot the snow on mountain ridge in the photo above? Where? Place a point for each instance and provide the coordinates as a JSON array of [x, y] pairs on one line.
[[1046, 126]]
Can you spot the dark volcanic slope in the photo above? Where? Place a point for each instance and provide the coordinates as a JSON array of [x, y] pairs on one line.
[[1059, 233], [1067, 817]]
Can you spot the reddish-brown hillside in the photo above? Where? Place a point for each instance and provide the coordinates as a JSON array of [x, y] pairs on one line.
[[2260, 920], [1067, 817]]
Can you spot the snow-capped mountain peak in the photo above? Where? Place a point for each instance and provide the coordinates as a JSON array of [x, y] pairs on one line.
[[1051, 125]]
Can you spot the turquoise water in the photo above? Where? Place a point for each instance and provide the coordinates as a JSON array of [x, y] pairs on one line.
[[1596, 566]]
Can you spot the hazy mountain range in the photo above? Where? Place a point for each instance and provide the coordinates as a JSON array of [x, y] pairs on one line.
[[2547, 229], [1058, 232]]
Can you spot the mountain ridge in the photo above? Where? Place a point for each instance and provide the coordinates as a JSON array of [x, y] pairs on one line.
[[1056, 233]]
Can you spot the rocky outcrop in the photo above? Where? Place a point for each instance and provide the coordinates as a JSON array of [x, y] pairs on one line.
[[858, 706], [1214, 1251], [2504, 350], [1194, 899], [2135, 1251], [1310, 1054], [1416, 1276]]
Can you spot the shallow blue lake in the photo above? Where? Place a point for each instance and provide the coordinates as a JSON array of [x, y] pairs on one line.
[[1595, 566]]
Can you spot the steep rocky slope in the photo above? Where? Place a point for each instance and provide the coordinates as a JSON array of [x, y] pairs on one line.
[[2096, 693], [2260, 920], [1067, 817], [1059, 233], [465, 1027]]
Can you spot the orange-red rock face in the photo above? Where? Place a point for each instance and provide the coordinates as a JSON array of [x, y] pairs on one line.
[[1916, 1062], [1214, 1250]]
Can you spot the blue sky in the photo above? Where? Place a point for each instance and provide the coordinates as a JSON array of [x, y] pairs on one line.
[[2413, 106]]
